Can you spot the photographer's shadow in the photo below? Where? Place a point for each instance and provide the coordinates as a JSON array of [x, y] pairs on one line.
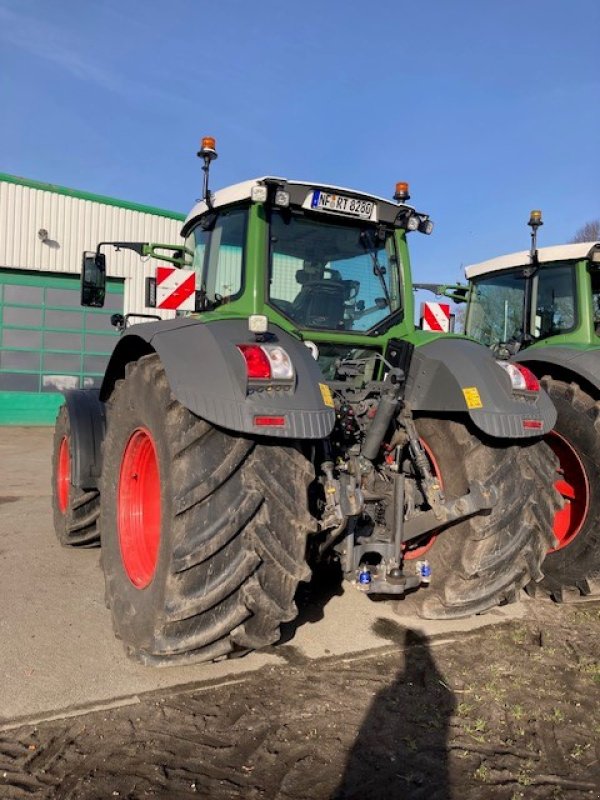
[[401, 751]]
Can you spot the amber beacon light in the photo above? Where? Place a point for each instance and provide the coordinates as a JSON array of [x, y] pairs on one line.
[[402, 194]]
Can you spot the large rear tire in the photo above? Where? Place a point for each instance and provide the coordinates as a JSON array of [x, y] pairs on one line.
[[203, 531], [75, 510], [574, 562], [484, 561]]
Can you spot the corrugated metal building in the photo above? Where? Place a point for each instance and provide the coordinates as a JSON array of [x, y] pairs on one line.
[[48, 341]]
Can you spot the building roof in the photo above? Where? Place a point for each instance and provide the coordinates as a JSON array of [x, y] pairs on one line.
[[563, 252], [95, 198]]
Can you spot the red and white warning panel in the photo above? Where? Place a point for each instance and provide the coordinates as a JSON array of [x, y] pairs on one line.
[[175, 289], [435, 317]]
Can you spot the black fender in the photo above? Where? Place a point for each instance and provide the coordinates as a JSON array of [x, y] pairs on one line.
[[582, 366], [207, 375], [87, 422], [457, 375]]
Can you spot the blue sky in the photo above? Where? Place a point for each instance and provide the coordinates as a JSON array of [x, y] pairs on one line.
[[488, 109]]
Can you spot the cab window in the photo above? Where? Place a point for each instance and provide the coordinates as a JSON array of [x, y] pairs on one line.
[[555, 302], [219, 255]]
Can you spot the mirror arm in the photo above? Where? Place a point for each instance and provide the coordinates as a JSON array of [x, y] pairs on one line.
[[456, 292], [137, 247], [182, 256]]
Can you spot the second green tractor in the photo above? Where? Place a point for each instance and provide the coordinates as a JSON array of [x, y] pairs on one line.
[[540, 308]]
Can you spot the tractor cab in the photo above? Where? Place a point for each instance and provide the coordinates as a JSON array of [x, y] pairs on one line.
[[313, 259], [533, 296], [318, 269], [516, 302], [310, 257]]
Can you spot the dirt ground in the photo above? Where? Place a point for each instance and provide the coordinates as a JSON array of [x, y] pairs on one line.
[[505, 712]]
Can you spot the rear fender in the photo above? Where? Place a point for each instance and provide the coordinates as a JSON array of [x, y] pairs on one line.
[[207, 375], [456, 375], [87, 423], [581, 366]]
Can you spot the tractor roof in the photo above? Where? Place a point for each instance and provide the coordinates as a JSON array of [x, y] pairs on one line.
[[563, 252], [242, 191]]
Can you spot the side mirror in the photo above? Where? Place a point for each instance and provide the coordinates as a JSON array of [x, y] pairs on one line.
[[93, 280]]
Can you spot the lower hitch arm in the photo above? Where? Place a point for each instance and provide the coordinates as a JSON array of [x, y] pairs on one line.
[[393, 579]]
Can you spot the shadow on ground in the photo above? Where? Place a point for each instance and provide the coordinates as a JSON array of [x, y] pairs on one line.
[[312, 598], [401, 748]]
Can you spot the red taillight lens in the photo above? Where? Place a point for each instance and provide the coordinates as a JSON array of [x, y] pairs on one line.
[[532, 424], [531, 382], [258, 366], [267, 362], [521, 378]]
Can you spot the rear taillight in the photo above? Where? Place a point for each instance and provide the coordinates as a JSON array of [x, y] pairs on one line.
[[257, 363], [531, 382], [521, 378], [267, 362]]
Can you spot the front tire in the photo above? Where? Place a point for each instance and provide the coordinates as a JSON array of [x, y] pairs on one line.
[[226, 537], [75, 510], [483, 561], [574, 562]]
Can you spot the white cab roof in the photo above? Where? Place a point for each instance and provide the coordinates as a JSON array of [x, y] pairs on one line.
[[562, 252], [241, 191]]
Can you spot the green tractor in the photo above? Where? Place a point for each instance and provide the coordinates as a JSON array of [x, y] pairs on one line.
[[541, 308], [296, 417]]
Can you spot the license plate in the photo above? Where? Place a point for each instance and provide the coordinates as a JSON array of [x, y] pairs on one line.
[[341, 204]]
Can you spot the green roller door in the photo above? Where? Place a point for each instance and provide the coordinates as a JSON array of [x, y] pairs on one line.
[[49, 343]]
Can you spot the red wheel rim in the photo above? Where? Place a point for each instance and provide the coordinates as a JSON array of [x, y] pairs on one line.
[[63, 475], [138, 510], [573, 485], [418, 552]]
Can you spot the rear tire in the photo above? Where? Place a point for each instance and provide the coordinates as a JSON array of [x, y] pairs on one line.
[[484, 561], [574, 564], [232, 527], [75, 510]]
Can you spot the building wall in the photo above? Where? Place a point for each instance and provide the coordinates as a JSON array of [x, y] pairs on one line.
[[39, 297], [76, 222]]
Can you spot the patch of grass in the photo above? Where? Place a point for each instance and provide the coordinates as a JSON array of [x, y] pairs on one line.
[[579, 750], [524, 778], [464, 709], [555, 716], [517, 711], [593, 670], [518, 635], [477, 730], [586, 615], [496, 691], [482, 773]]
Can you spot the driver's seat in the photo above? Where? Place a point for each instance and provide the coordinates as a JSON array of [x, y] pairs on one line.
[[320, 304]]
